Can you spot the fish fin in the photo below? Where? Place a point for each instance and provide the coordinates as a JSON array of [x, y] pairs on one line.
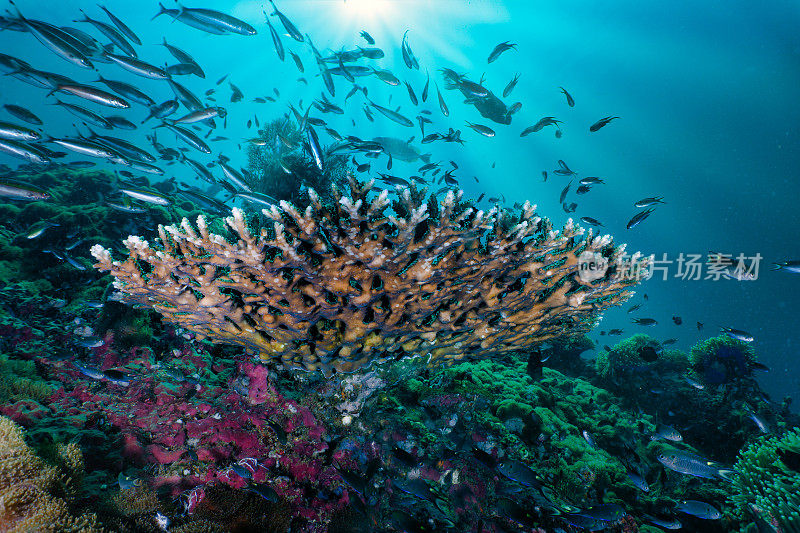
[[726, 474], [162, 11], [426, 158]]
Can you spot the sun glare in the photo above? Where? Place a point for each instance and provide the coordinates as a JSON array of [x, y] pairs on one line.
[[368, 9]]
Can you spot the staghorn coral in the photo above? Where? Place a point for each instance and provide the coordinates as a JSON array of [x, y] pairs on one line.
[[28, 488], [767, 482], [337, 288]]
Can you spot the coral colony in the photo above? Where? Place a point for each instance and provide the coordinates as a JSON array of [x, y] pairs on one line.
[[337, 288]]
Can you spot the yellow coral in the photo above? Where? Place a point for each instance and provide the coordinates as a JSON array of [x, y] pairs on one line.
[[26, 486], [336, 288]]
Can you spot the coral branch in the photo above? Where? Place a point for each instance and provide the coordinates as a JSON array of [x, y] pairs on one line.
[[339, 287]]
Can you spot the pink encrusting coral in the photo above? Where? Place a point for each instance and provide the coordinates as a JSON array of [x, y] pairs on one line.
[[190, 426]]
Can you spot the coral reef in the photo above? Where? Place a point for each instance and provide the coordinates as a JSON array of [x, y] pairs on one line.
[[638, 354], [188, 423], [336, 289], [722, 360], [33, 494], [767, 482]]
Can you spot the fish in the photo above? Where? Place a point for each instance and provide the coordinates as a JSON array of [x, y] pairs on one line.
[[162, 110], [200, 115], [128, 91], [183, 69], [112, 33], [666, 432], [371, 53], [694, 383], [425, 88], [639, 482], [122, 27], [93, 94], [297, 61], [510, 86], [607, 512], [645, 321], [315, 148], [88, 148], [442, 105], [120, 122], [367, 37], [737, 334], [499, 49], [128, 482], [236, 93], [150, 197], [519, 472], [408, 55], [699, 509], [480, 128], [570, 100], [138, 67], [23, 114], [208, 20], [18, 133], [411, 95], [21, 191], [677, 320], [692, 465], [276, 41], [394, 116], [123, 147], [591, 221], [188, 137], [666, 523], [182, 56], [638, 218], [290, 28], [88, 371], [600, 123], [647, 202], [55, 42], [758, 421], [564, 192], [386, 76]]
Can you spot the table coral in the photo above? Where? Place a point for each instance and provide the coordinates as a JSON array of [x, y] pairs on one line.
[[338, 287]]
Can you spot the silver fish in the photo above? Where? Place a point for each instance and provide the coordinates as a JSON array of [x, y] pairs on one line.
[[290, 28], [93, 94], [137, 66]]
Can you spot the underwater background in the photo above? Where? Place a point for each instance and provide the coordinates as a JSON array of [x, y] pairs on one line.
[[619, 431]]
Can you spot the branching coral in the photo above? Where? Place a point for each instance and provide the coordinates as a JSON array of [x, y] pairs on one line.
[[28, 485], [336, 288], [768, 481]]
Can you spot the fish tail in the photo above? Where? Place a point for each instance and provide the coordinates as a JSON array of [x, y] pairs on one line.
[[726, 474], [162, 11], [776, 266]]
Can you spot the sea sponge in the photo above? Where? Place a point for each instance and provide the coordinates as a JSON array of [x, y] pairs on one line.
[[27, 488]]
